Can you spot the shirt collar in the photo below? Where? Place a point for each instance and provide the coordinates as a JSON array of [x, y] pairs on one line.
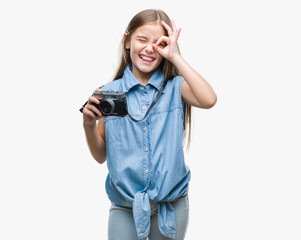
[[129, 80]]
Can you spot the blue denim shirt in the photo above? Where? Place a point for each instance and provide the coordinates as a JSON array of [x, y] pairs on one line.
[[145, 159]]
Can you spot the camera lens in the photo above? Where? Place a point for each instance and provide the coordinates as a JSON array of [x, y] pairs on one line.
[[106, 106]]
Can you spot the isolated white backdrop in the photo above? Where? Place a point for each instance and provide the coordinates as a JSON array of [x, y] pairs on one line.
[[245, 153]]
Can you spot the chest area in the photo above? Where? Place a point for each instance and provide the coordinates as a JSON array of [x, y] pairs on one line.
[[140, 98]]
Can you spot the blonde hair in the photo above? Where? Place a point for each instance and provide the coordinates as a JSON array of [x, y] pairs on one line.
[[169, 69]]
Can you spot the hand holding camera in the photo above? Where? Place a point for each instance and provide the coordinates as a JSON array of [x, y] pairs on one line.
[[104, 103], [90, 112], [111, 103]]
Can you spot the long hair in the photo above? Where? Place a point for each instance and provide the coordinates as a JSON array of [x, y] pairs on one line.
[[169, 69]]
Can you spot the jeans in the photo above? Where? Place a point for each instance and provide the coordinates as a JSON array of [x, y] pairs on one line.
[[122, 226]]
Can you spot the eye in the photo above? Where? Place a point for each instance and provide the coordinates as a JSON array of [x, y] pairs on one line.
[[141, 40], [163, 44]]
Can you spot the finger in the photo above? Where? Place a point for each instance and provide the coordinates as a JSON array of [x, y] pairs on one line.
[[175, 30], [95, 93], [173, 26], [88, 113], [93, 109], [169, 30], [179, 31], [91, 105], [97, 90], [93, 99]]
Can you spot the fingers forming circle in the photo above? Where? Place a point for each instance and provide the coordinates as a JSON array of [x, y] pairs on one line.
[[162, 39]]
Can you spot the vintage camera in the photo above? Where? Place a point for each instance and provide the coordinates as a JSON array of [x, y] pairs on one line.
[[111, 103]]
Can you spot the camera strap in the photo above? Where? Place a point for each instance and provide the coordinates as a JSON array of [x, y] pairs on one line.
[[153, 103]]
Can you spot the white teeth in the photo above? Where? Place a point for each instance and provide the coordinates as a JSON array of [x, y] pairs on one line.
[[146, 58]]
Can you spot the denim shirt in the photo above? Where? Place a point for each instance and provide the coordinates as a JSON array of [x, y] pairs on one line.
[[146, 159]]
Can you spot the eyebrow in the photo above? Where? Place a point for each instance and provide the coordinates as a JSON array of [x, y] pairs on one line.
[[140, 36], [144, 37]]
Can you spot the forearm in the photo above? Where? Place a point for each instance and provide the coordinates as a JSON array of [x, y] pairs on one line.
[[202, 91], [95, 142]]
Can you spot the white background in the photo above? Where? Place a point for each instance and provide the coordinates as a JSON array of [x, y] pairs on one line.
[[245, 153]]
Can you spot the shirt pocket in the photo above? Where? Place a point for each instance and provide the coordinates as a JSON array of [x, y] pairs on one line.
[[112, 129], [123, 135]]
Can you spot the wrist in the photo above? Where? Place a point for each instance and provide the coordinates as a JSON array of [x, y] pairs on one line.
[[177, 59], [89, 124]]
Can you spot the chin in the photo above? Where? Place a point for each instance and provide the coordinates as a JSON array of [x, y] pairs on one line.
[[146, 69]]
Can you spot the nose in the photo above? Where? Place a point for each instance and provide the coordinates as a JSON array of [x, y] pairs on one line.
[[149, 48]]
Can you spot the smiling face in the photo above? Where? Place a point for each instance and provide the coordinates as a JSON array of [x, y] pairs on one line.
[[145, 59]]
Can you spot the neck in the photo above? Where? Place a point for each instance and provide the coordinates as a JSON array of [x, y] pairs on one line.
[[143, 78], [143, 81]]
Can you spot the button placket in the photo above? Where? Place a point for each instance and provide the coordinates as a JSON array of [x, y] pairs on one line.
[[145, 132], [144, 103]]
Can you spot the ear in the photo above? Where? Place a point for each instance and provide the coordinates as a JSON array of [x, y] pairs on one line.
[[127, 42]]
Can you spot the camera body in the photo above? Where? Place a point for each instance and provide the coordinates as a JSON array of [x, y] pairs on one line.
[[111, 103]]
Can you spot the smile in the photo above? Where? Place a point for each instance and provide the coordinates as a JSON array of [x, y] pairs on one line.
[[146, 58]]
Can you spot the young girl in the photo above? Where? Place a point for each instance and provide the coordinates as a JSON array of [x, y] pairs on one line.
[[148, 179]]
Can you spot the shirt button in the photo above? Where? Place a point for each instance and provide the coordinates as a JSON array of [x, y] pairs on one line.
[[146, 171], [144, 107], [146, 149], [142, 88], [145, 129]]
